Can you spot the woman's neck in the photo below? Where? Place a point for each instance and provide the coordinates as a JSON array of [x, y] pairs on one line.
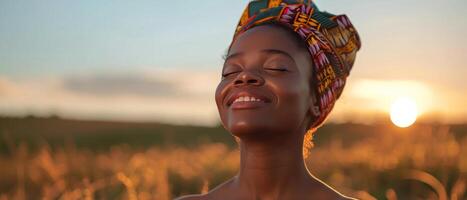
[[272, 167]]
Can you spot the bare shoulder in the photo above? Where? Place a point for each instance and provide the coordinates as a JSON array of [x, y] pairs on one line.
[[324, 191], [192, 197], [342, 197], [334, 194], [218, 192], [331, 194]]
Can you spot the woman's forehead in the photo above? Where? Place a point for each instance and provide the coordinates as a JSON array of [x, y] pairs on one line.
[[264, 37]]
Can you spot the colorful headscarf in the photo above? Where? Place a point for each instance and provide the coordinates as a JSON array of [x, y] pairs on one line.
[[332, 42]]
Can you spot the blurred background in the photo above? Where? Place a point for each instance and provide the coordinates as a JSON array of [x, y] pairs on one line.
[[115, 100]]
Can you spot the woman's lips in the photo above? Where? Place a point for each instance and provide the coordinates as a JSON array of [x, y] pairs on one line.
[[247, 96], [239, 105]]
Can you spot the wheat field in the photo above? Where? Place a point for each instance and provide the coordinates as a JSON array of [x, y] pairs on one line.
[[424, 162]]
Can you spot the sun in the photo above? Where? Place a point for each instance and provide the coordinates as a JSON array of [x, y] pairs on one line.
[[403, 112]]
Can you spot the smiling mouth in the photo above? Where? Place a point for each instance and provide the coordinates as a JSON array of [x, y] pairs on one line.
[[248, 102], [247, 99], [247, 105]]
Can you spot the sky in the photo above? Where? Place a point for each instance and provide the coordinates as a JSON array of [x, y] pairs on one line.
[[161, 60]]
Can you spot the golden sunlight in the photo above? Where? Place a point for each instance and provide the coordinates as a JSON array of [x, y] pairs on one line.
[[403, 112]]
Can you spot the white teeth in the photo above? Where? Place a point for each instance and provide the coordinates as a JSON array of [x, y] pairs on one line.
[[247, 98]]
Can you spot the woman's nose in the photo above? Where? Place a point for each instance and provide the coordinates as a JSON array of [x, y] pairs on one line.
[[247, 78]]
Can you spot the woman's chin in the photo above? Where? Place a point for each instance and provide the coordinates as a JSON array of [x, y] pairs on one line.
[[249, 129]]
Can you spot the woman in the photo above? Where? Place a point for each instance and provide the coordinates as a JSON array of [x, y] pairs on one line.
[[283, 72]]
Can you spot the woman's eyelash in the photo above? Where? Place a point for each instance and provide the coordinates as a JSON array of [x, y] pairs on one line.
[[274, 69], [277, 69], [224, 75]]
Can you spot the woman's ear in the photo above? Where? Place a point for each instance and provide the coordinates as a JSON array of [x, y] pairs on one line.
[[314, 109]]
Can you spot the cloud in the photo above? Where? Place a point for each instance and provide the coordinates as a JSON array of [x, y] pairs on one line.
[[187, 97], [363, 99], [120, 84], [381, 93], [173, 96]]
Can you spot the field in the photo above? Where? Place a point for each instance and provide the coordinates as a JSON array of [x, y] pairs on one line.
[[52, 158]]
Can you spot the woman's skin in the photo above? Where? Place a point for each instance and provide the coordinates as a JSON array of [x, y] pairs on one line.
[[267, 62]]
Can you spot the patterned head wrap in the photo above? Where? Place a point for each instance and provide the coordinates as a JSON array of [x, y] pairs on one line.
[[332, 42]]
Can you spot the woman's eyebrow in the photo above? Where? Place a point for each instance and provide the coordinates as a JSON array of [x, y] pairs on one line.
[[267, 51], [233, 55], [277, 51]]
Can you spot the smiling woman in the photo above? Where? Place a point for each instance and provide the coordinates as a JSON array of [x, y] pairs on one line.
[[284, 70]]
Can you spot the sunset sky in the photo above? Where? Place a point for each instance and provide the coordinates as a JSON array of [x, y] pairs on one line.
[[161, 60]]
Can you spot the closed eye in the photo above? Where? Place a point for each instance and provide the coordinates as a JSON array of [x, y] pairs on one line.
[[227, 74], [277, 69]]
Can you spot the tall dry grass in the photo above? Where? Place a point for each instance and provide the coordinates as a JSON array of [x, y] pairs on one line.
[[425, 163], [120, 173]]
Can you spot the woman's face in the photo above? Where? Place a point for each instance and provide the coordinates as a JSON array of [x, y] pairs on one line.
[[265, 63]]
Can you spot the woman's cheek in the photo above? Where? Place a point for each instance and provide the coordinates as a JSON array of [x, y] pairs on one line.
[[288, 91], [292, 99], [219, 94], [220, 91]]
